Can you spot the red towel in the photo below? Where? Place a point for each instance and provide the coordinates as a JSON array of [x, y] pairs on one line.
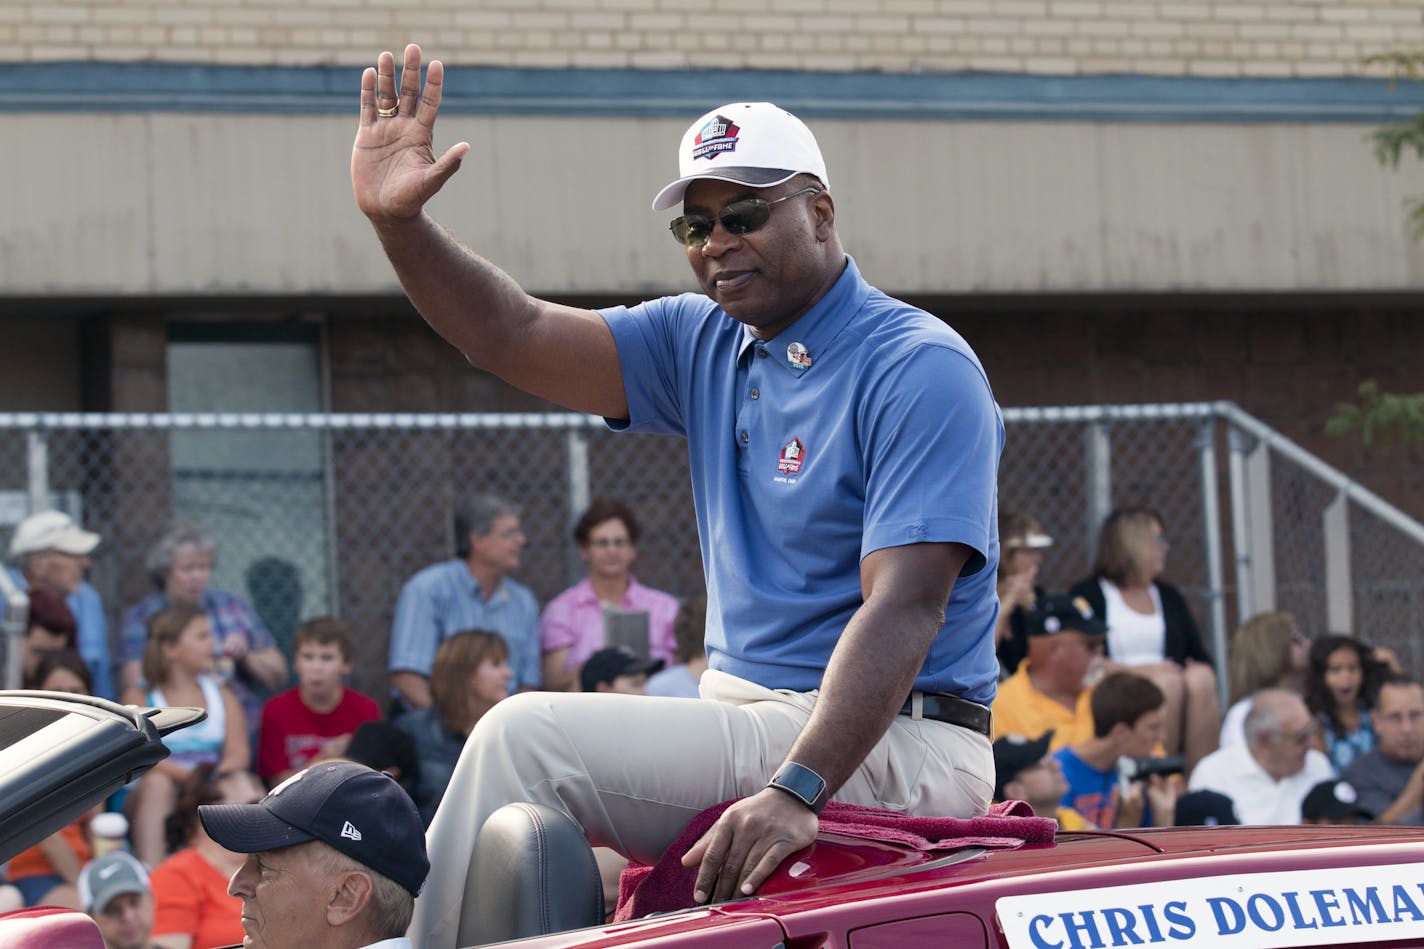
[[667, 884]]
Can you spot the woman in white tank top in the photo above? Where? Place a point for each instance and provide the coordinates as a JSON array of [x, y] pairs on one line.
[[1151, 630]]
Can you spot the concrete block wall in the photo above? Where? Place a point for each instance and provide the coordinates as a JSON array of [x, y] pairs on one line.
[[1246, 38]]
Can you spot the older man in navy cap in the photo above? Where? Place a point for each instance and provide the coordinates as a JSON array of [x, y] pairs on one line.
[[336, 857]]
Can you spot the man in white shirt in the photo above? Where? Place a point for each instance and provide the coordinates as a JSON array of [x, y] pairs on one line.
[[1268, 776]]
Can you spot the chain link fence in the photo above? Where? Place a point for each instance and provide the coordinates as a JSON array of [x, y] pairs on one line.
[[329, 514]]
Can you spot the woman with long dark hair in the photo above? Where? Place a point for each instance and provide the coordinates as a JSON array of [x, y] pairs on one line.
[[1341, 684]]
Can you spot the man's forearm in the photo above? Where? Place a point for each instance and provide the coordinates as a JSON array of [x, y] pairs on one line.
[[879, 655], [487, 316], [1407, 803], [413, 687], [267, 666], [866, 683], [473, 304]]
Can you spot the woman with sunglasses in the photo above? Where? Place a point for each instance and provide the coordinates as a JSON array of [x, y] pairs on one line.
[[1151, 630]]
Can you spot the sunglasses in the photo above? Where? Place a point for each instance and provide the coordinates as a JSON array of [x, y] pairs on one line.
[[742, 216]]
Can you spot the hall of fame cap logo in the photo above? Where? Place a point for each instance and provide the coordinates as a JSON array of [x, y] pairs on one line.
[[719, 135], [793, 456]]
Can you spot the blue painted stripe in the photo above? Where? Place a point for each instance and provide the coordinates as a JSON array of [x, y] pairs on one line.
[[170, 87]]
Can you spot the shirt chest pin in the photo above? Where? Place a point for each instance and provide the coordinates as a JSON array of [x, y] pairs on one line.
[[797, 356]]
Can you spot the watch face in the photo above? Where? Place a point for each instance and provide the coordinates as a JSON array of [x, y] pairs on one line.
[[804, 783]]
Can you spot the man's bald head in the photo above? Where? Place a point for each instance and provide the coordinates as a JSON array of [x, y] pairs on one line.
[[1278, 731]]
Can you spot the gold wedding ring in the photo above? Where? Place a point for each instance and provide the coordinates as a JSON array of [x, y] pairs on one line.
[[387, 113]]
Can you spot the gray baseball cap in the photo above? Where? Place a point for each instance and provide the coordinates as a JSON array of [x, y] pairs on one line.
[[113, 874]]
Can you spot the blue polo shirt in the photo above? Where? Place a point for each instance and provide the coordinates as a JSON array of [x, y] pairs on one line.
[[445, 599], [866, 424]]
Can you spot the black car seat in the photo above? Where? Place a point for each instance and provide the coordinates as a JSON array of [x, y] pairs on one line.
[[532, 873]]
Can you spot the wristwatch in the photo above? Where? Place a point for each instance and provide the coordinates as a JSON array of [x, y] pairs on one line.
[[802, 783]]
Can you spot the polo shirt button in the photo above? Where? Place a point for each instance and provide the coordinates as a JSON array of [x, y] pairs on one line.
[[745, 438], [761, 352], [756, 393]]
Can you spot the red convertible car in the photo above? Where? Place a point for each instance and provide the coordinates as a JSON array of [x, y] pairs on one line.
[[1249, 887], [535, 880]]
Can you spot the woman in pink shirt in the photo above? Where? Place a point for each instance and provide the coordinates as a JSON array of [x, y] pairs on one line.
[[572, 627]]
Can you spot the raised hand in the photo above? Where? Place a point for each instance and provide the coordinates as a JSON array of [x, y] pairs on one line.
[[394, 170]]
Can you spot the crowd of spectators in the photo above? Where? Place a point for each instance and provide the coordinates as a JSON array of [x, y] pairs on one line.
[[465, 635], [1110, 693], [1107, 711]]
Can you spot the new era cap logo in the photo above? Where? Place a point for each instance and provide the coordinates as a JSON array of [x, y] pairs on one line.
[[349, 831]]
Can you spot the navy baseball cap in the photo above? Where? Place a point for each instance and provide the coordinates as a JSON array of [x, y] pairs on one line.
[[1333, 801], [362, 813], [611, 662], [1014, 754], [1057, 613], [1204, 808]]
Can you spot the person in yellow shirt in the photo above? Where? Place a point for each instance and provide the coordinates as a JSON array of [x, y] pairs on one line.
[[1025, 770], [1050, 690]]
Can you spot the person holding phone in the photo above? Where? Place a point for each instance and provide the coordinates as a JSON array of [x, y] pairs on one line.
[[575, 623]]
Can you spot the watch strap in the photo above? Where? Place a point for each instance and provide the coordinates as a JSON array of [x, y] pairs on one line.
[[802, 783]]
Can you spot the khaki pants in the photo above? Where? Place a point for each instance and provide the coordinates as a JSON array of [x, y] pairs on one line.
[[633, 770]]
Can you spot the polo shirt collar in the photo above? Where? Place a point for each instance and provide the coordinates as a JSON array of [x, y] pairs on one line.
[[472, 586], [583, 592], [817, 327]]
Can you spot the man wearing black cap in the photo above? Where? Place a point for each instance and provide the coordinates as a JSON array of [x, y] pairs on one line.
[[843, 449], [1049, 691], [1025, 771], [336, 857], [1333, 802], [616, 669]]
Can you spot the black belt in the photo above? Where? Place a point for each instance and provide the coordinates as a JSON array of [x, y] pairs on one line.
[[953, 710]]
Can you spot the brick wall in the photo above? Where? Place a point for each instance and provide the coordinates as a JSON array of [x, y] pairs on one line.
[[1286, 360], [1257, 38]]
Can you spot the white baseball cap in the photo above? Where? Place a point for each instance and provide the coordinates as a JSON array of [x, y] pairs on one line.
[[52, 530], [750, 143]]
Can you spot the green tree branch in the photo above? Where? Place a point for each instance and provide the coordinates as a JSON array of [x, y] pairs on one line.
[[1390, 142]]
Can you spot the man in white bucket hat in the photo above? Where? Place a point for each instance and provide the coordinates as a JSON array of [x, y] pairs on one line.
[[51, 553], [844, 449]]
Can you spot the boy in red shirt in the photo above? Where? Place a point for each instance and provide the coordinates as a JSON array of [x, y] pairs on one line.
[[316, 718]]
